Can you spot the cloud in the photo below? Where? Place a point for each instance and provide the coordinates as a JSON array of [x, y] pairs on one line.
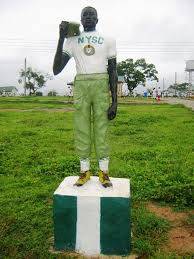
[[158, 30]]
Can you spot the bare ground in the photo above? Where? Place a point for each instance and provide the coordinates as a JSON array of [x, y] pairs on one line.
[[181, 234], [39, 109]]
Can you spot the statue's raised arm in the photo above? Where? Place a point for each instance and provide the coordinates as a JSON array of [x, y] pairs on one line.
[[61, 58]]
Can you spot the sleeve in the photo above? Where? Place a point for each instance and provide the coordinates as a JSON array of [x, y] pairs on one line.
[[68, 47], [112, 52]]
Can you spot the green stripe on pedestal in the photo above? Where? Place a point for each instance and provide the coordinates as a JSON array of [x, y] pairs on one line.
[[115, 226], [65, 218]]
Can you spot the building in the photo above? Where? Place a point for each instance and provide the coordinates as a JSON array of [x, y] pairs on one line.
[[69, 90], [190, 69], [8, 91], [122, 88]]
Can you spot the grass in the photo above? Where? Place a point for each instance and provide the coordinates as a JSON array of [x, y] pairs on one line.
[[148, 230], [35, 102], [153, 145], [157, 152]]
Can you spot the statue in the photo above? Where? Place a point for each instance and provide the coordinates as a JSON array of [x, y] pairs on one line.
[[95, 58]]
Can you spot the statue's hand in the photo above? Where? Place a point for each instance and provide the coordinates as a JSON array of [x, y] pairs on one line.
[[112, 111], [63, 29]]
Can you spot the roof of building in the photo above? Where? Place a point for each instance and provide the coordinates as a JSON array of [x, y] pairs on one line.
[[8, 88], [121, 79], [70, 83]]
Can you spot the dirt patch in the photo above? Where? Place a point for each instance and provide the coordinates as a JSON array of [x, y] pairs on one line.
[[176, 218], [12, 110], [39, 109], [181, 240], [54, 109], [181, 234]]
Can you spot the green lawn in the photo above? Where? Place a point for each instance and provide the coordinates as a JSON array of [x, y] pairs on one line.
[[28, 102], [153, 145], [32, 102]]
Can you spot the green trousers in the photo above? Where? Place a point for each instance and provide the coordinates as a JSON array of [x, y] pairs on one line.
[[91, 101]]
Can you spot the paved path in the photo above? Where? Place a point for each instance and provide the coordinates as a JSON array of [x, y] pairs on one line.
[[185, 102]]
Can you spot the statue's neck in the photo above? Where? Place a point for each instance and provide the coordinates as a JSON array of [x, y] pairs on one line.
[[87, 29]]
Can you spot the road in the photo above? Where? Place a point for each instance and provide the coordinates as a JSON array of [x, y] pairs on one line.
[[185, 102]]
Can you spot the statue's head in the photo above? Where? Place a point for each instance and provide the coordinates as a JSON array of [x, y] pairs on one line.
[[89, 18]]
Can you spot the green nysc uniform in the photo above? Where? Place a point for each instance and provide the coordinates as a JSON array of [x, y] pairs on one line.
[[91, 52]]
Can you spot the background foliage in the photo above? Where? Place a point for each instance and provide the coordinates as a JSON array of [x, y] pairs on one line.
[[136, 72]]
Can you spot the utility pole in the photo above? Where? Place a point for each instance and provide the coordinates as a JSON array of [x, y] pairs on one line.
[[175, 78], [163, 84], [25, 77], [175, 81], [190, 82]]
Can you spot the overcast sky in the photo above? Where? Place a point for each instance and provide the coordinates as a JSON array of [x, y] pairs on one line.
[[161, 31]]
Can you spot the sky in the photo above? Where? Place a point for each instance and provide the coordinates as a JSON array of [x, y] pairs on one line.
[[161, 31]]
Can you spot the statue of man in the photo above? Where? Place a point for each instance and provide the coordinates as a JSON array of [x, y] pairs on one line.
[[95, 58]]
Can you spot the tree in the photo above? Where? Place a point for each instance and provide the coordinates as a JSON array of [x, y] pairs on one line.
[[52, 93], [38, 93], [34, 79], [183, 87], [180, 88], [136, 72]]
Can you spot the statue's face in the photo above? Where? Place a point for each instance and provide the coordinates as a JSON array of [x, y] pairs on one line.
[[89, 18]]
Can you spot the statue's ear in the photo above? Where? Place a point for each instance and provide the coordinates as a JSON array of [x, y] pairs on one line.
[[96, 21]]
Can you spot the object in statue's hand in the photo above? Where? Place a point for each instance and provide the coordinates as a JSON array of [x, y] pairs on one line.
[[69, 29], [63, 29]]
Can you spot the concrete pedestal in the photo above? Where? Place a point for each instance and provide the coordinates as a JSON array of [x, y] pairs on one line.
[[91, 219]]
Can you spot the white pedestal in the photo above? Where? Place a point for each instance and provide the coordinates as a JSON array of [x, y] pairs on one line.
[[91, 219]]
